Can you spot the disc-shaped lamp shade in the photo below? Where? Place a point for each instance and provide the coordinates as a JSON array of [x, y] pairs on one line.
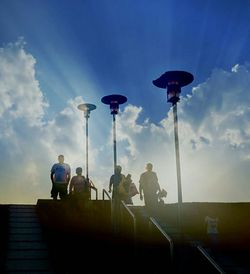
[[114, 101], [173, 81], [87, 108]]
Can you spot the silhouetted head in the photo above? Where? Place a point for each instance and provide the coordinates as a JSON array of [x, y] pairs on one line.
[[118, 169], [79, 171], [61, 159], [149, 167], [128, 176]]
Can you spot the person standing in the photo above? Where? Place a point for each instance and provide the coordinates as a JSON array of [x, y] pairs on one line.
[[114, 183], [125, 187], [79, 185], [149, 186], [79, 190], [211, 222], [60, 176]]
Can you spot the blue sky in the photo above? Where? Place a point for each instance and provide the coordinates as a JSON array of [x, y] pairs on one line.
[[56, 54]]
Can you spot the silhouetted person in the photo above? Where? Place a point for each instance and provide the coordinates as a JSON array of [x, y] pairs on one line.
[[79, 189], [114, 183], [125, 186], [211, 222], [60, 177], [79, 185], [149, 185]]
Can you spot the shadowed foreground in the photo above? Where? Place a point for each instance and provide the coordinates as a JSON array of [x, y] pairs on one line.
[[70, 237]]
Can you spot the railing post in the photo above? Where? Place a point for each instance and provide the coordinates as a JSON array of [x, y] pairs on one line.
[[152, 221], [104, 192], [131, 214]]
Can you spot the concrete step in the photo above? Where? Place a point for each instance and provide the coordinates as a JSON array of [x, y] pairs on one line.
[[29, 230], [25, 219], [23, 225], [27, 252], [27, 265], [25, 237], [30, 272], [23, 245], [23, 214]]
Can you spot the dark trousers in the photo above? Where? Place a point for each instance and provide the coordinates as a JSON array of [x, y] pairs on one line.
[[151, 204], [61, 189]]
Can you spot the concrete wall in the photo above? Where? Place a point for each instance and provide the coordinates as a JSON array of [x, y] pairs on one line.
[[234, 220]]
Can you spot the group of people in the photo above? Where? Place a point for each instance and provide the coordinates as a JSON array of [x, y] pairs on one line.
[[63, 185], [121, 186], [124, 189]]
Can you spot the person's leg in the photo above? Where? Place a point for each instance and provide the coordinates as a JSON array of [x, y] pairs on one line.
[[54, 191], [63, 192], [151, 204]]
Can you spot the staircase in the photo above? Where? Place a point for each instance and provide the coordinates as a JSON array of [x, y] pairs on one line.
[[67, 237], [26, 250]]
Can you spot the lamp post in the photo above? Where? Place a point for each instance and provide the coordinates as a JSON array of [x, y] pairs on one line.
[[114, 101], [173, 81], [87, 108]]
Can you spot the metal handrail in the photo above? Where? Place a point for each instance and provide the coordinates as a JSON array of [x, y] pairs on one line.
[[132, 215], [210, 260], [166, 236], [129, 211], [96, 192], [104, 192]]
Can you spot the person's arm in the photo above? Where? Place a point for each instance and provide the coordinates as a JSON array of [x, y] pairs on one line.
[[52, 177], [71, 185], [140, 188], [157, 183], [111, 181], [52, 172], [68, 174]]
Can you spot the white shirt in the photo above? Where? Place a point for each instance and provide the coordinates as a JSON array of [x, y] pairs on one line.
[[212, 225]]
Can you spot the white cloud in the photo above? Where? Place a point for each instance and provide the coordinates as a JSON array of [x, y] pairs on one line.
[[214, 140], [214, 131], [19, 90], [29, 144]]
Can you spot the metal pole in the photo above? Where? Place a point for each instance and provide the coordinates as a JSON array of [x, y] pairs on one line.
[[114, 139], [177, 153], [87, 148]]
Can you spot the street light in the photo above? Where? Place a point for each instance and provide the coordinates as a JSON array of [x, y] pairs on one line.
[[87, 108], [173, 81], [114, 101]]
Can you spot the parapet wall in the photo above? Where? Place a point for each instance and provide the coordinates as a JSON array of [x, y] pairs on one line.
[[234, 220]]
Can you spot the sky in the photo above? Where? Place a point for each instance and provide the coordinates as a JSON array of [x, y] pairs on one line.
[[55, 55]]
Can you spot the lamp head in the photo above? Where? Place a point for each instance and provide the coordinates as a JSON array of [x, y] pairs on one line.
[[114, 101], [86, 108], [173, 81]]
